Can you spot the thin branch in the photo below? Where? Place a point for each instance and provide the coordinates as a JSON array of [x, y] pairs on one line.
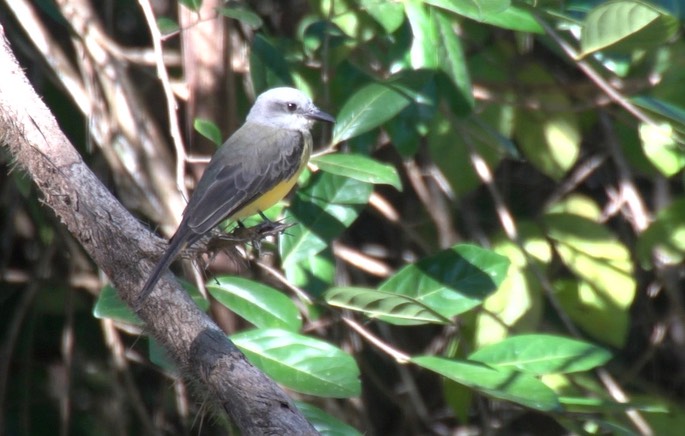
[[399, 356], [172, 106]]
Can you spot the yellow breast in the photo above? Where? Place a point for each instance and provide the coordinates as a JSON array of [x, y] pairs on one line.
[[269, 199]]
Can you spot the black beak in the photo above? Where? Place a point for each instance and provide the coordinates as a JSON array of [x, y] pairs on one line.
[[318, 114]]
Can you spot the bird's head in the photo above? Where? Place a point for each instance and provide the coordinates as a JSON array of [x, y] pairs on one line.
[[286, 108]]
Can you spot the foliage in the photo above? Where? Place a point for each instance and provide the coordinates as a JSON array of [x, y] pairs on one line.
[[494, 227]]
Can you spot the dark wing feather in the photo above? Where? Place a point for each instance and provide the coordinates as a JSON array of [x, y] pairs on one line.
[[249, 164]]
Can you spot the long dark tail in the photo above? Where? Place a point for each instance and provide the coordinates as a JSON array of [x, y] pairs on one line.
[[175, 245]]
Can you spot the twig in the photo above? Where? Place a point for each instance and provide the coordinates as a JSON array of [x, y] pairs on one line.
[[281, 278], [399, 356], [361, 261], [118, 352], [597, 78], [438, 213], [172, 106]]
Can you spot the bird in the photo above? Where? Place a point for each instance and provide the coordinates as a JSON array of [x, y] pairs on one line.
[[254, 169]]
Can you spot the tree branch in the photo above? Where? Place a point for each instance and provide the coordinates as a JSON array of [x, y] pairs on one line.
[[124, 249]]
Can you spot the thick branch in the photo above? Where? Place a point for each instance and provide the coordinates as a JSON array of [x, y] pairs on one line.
[[123, 248]]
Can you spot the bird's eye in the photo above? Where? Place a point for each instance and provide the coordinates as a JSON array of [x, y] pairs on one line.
[[292, 107]]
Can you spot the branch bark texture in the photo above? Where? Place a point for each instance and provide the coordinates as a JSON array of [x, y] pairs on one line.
[[124, 249]]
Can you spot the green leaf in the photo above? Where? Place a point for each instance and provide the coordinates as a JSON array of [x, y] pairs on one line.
[[359, 167], [625, 25], [346, 16], [662, 147], [321, 211], [517, 18], [301, 363], [503, 384], [662, 108], [367, 109], [542, 354], [422, 53], [193, 5], [451, 56], [324, 423], [451, 282], [601, 315], [475, 9], [518, 303], [446, 138], [160, 357], [549, 139], [109, 305], [259, 304], [591, 251], [389, 15], [496, 12], [315, 274], [268, 67], [607, 288], [167, 26], [378, 303], [209, 130], [577, 204], [665, 236], [242, 14]]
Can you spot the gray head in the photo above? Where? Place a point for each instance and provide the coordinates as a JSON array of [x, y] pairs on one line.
[[286, 108]]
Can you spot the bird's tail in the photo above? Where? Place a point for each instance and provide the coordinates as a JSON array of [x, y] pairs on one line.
[[175, 245]]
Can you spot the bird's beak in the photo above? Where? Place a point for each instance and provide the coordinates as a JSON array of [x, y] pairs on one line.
[[318, 114]]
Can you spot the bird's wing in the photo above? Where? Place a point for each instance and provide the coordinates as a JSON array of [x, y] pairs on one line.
[[249, 164]]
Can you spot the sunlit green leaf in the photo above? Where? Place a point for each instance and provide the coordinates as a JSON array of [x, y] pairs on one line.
[[390, 15], [542, 354], [507, 385], [626, 25], [661, 146], [375, 303], [550, 139], [475, 9], [595, 255], [302, 363], [347, 17], [602, 315], [518, 303], [450, 282], [496, 12], [422, 53], [359, 167], [367, 109], [259, 304], [577, 204]]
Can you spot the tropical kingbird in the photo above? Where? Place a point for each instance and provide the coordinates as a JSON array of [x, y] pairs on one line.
[[254, 169]]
